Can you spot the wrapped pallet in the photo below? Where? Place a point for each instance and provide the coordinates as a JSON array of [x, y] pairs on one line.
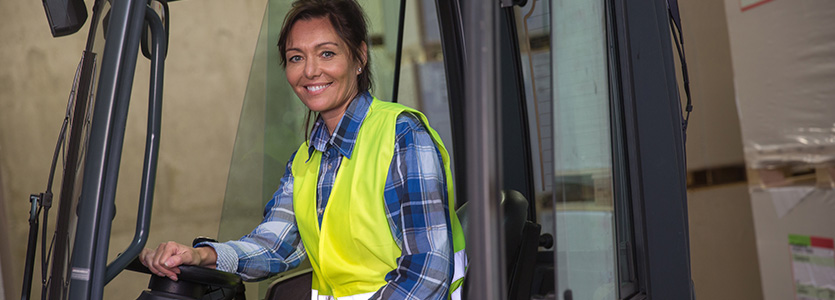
[[783, 55]]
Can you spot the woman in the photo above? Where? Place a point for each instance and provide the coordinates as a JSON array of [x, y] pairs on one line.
[[367, 199]]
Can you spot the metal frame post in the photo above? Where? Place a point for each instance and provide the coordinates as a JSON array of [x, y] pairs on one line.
[[654, 148], [481, 123]]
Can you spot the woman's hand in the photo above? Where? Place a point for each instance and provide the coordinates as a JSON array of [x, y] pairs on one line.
[[165, 260]]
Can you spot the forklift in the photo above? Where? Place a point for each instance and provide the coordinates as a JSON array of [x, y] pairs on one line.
[[531, 200]]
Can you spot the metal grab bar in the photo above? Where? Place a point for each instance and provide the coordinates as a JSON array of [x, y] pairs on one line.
[[96, 206], [149, 170]]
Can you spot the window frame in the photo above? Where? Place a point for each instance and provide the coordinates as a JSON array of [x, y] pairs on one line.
[[650, 113]]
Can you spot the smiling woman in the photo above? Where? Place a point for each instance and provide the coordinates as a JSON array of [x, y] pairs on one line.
[[367, 199]]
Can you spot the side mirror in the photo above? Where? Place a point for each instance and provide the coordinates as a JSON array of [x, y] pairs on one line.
[[65, 16]]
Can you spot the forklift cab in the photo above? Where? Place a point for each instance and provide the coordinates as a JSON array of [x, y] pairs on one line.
[[562, 119]]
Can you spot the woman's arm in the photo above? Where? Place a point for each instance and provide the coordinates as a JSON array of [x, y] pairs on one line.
[[274, 246], [418, 212]]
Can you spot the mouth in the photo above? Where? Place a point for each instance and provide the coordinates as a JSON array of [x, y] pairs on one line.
[[316, 88]]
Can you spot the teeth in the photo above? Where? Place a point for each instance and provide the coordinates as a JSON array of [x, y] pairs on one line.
[[317, 87]]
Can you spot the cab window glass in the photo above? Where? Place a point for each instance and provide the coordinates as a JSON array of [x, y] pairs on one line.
[[423, 84], [565, 61]]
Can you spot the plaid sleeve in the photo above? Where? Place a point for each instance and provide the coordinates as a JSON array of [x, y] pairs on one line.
[[418, 212], [274, 246]]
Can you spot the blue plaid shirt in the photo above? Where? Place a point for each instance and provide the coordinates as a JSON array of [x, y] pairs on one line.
[[416, 204]]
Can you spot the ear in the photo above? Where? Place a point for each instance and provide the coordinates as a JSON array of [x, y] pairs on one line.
[[363, 54]]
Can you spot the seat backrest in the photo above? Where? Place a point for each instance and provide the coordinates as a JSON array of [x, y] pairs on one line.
[[294, 286], [515, 210], [515, 213]]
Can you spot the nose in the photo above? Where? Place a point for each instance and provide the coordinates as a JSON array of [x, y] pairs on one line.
[[311, 68]]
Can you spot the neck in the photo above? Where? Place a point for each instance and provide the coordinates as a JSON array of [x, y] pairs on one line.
[[332, 118], [332, 121]]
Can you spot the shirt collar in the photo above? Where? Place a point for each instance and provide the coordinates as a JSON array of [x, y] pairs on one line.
[[345, 136]]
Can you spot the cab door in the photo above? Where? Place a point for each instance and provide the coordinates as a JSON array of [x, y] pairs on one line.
[[574, 104]]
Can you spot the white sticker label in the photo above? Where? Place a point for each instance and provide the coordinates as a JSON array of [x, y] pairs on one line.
[[80, 274]]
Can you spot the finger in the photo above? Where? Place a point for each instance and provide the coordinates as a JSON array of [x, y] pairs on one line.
[[180, 258], [174, 261], [154, 265], [142, 255], [172, 273], [164, 251], [172, 250], [148, 261], [184, 256], [146, 257]]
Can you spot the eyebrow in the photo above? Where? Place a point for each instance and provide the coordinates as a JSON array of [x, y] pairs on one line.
[[317, 46]]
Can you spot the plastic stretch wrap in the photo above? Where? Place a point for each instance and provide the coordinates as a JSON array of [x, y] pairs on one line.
[[784, 71]]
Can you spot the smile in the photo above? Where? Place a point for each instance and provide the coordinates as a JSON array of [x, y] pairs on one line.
[[316, 88]]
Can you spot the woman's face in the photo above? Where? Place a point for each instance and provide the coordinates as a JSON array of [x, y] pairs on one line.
[[320, 67]]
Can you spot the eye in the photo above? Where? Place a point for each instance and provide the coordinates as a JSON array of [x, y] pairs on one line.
[[328, 54], [295, 58]]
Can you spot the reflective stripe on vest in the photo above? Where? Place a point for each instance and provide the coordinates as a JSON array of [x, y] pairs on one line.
[[355, 236], [315, 296]]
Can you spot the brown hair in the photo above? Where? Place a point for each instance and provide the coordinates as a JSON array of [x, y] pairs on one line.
[[348, 20]]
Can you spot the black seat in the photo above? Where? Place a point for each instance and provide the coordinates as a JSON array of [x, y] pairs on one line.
[[292, 285]]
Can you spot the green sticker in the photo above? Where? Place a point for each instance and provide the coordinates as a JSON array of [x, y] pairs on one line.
[[800, 240]]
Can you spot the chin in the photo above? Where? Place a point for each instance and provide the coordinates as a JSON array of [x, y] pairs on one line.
[[315, 104]]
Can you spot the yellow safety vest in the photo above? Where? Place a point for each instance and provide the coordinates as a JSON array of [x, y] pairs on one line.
[[353, 250]]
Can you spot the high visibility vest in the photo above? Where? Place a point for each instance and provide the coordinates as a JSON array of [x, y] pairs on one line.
[[354, 250]]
